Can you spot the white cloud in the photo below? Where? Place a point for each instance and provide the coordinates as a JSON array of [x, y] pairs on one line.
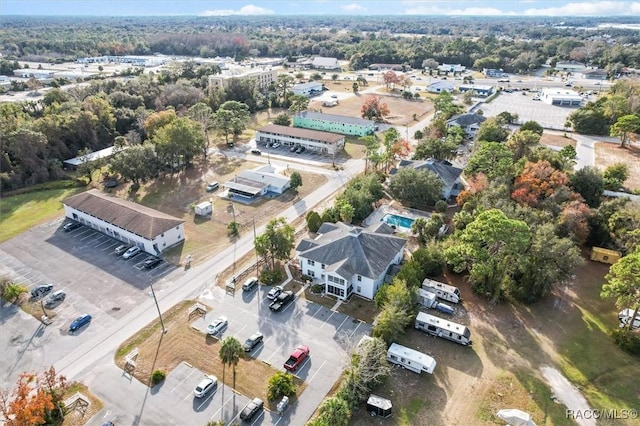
[[249, 10], [600, 8], [597, 8], [353, 7]]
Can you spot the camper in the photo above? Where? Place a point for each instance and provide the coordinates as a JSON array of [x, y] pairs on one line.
[[410, 359], [429, 300], [379, 406], [443, 291], [442, 328], [625, 315]]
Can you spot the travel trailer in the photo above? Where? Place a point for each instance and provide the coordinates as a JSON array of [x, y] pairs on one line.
[[442, 328], [410, 359], [625, 315], [443, 291], [429, 300]]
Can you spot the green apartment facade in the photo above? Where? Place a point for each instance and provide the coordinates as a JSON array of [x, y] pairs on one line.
[[334, 123]]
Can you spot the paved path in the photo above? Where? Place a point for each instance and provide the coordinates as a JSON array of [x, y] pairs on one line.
[[569, 395]]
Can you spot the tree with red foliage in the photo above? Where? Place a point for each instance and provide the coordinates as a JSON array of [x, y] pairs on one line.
[[390, 79], [35, 400], [374, 108], [401, 148], [574, 221], [538, 182], [475, 185]]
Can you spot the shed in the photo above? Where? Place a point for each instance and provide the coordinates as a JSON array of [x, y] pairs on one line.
[[604, 255], [378, 406], [204, 209]]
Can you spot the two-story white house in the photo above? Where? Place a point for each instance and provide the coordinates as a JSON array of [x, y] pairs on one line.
[[348, 259]]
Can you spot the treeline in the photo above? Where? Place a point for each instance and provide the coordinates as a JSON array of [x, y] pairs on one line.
[[514, 44]]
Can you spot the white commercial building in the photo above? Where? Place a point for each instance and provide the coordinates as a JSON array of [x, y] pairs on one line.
[[263, 77], [307, 89], [257, 182], [560, 97]]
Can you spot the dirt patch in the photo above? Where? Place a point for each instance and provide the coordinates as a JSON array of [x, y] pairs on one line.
[[157, 351], [403, 112], [177, 194], [557, 140], [608, 154]]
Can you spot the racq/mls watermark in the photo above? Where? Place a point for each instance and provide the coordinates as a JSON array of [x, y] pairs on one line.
[[607, 414]]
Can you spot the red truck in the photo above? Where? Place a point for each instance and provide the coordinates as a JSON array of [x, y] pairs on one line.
[[297, 358]]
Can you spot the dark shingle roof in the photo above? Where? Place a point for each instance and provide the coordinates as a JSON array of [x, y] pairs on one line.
[[468, 119], [447, 174], [133, 217], [350, 250]]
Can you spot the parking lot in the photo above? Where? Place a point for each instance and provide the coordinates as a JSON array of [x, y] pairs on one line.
[[522, 103], [83, 264]]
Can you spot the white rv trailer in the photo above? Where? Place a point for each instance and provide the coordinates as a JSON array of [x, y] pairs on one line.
[[625, 315], [410, 359], [442, 328], [443, 291], [429, 300]]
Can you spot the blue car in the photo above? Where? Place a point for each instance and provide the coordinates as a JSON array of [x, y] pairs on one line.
[[80, 322]]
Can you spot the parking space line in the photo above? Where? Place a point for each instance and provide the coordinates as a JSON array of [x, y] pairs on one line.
[[327, 320], [355, 329], [316, 373], [346, 317], [222, 406], [274, 352], [182, 381], [206, 399], [88, 236]]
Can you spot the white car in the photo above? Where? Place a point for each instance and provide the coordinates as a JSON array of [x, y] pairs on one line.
[[133, 251], [206, 385], [274, 292], [217, 326]]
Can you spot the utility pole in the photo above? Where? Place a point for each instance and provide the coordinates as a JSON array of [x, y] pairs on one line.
[[164, 330]]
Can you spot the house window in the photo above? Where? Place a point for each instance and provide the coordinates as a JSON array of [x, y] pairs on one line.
[[359, 278], [323, 266], [359, 289], [310, 262], [311, 273]]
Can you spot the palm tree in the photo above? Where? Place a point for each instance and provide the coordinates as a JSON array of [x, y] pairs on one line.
[[230, 352]]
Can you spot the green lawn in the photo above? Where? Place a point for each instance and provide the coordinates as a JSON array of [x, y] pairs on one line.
[[20, 212]]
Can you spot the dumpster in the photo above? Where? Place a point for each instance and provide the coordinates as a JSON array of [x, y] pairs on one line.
[[378, 406]]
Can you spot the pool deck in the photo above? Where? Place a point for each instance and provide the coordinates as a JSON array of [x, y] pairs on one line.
[[392, 208]]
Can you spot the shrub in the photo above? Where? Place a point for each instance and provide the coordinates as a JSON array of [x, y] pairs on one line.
[[313, 221], [441, 206], [233, 229], [317, 288], [628, 341], [271, 276], [280, 384], [157, 376], [11, 291]]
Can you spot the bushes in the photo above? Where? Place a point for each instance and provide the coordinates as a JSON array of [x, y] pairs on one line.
[[12, 291], [281, 384], [157, 377], [628, 341], [271, 276]]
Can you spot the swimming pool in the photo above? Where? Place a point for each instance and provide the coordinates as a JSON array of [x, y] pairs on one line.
[[398, 221]]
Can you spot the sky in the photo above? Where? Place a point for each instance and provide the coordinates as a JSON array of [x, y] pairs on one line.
[[320, 7]]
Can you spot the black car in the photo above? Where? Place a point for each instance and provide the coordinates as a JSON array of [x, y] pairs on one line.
[[152, 262], [281, 301], [251, 410], [253, 341], [41, 290], [70, 226]]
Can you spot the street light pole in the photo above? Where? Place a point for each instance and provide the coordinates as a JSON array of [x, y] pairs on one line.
[[164, 330]]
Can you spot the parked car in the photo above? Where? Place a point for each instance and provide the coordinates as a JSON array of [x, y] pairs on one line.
[[122, 248], [152, 262], [217, 326], [250, 284], [256, 152], [281, 301], [294, 147], [251, 410], [503, 80], [132, 252], [275, 145], [80, 322], [55, 298], [41, 290], [300, 150], [296, 358], [274, 292], [70, 226], [205, 386], [213, 186], [254, 340]]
